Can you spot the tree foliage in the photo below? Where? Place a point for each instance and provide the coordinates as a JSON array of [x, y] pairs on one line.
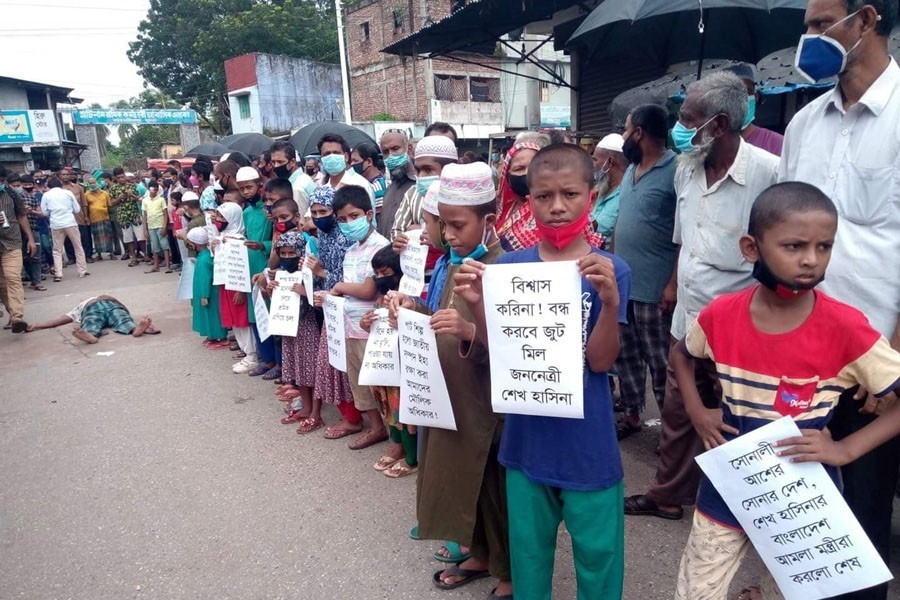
[[182, 44]]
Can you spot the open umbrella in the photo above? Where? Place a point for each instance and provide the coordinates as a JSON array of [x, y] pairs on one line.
[[307, 138], [214, 149], [674, 31], [251, 144]]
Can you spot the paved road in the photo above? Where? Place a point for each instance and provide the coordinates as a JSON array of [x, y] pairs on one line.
[[155, 473]]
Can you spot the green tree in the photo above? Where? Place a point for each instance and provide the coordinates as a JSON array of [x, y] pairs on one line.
[[182, 44]]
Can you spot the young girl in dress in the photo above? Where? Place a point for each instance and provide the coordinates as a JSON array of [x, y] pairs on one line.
[[205, 300]]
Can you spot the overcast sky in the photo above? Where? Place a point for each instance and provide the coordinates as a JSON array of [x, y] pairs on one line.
[[80, 44]]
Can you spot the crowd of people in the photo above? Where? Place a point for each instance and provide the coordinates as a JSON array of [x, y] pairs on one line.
[[702, 266]]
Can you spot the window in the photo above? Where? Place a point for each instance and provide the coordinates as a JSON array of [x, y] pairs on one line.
[[484, 89], [364, 26], [244, 106], [545, 91], [450, 87], [398, 20]]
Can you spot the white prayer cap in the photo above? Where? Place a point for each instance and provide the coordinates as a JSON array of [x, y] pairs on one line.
[[430, 202], [246, 174], [466, 185], [437, 146], [612, 142], [198, 235], [189, 196]]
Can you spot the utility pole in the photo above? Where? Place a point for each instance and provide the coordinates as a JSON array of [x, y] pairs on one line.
[[345, 81]]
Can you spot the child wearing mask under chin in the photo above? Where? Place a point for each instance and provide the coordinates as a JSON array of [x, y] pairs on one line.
[[354, 214], [298, 371], [400, 459]]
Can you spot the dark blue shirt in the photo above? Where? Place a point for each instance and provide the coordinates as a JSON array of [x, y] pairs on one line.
[[572, 454]]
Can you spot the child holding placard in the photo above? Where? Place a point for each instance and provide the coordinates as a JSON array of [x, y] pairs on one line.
[[205, 299], [781, 348], [400, 459], [559, 468], [229, 222], [354, 215]]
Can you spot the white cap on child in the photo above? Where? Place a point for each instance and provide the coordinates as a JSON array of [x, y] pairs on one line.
[[437, 146], [246, 174], [189, 196], [466, 185], [198, 235]]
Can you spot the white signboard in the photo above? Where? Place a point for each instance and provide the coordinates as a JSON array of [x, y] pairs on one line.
[[220, 264], [306, 275], [412, 263], [534, 327], [284, 317], [381, 363], [262, 314], [424, 399], [186, 280], [335, 330], [795, 516], [237, 264]]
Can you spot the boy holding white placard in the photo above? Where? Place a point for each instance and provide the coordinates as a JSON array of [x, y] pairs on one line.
[[561, 468], [781, 349]]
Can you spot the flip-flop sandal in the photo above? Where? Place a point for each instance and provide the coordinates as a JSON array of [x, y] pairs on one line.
[[624, 430], [38, 288], [368, 439], [468, 576], [401, 469], [456, 554], [336, 434], [641, 506], [152, 331], [19, 327], [309, 425], [258, 370], [234, 346], [151, 271], [414, 533], [273, 373], [293, 417], [494, 596], [384, 463]]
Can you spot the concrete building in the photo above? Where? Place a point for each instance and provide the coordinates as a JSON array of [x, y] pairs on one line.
[[31, 130], [416, 89], [273, 94]]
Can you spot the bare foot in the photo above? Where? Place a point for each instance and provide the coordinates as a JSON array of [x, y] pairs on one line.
[[144, 324], [84, 336]]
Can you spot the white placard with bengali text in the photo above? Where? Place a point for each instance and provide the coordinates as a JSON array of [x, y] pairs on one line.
[[412, 263], [535, 335], [795, 516], [306, 275], [261, 312], [333, 307], [284, 313], [220, 264], [186, 280], [381, 363], [424, 399], [237, 265]]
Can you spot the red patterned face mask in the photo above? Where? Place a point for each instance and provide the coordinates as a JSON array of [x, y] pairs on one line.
[[560, 237]]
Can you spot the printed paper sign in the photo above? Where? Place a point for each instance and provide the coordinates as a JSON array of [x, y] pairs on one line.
[[186, 280], [333, 308], [306, 275], [424, 399], [262, 314], [220, 264], [795, 516], [381, 363], [412, 263], [534, 327], [237, 263], [284, 317]]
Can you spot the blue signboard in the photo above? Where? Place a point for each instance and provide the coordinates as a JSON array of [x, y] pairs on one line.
[[134, 117]]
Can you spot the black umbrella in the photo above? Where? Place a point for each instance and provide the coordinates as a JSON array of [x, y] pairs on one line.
[[668, 32], [251, 144], [214, 149], [306, 140]]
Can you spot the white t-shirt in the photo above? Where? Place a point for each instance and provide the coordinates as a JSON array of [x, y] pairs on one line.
[[303, 187], [357, 268], [351, 177], [60, 206], [75, 313]]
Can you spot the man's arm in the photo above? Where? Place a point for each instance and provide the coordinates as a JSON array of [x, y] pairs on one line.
[[403, 217], [670, 292]]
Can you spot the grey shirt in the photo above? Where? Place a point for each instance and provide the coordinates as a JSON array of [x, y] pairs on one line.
[[643, 234], [393, 196]]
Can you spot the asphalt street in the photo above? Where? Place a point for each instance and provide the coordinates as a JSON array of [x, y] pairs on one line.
[[143, 468]]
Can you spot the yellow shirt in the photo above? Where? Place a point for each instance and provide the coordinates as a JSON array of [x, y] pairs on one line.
[[98, 205]]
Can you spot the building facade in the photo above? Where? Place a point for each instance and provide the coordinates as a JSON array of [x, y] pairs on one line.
[[273, 94]]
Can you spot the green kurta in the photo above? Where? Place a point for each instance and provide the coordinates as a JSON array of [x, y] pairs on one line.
[[206, 318], [459, 476], [257, 228]]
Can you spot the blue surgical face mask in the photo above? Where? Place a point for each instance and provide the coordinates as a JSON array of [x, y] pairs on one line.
[[479, 251], [751, 112], [334, 164], [2, 187], [396, 161], [357, 229], [684, 137], [820, 57], [423, 183]]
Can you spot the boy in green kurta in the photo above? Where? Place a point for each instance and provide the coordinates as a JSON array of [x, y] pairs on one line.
[[461, 489], [258, 232], [205, 301]]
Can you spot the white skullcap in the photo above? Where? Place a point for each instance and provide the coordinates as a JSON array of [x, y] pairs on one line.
[[437, 146], [466, 185], [246, 174], [612, 142], [198, 235], [430, 201], [189, 196]]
